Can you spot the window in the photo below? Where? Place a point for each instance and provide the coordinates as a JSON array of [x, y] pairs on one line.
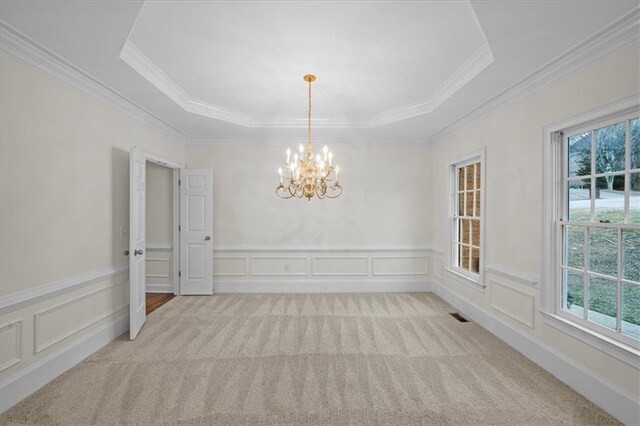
[[466, 216], [598, 260]]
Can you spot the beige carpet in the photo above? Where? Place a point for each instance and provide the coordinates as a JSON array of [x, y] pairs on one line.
[[307, 359]]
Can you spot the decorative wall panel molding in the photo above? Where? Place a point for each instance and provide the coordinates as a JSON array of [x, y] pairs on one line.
[[229, 266], [10, 344], [56, 288], [317, 262], [511, 274], [159, 268], [346, 266], [52, 324], [512, 302], [30, 379], [282, 266], [37, 56], [159, 247], [400, 265], [438, 268]]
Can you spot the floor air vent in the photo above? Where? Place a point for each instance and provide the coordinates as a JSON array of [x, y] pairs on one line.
[[459, 317]]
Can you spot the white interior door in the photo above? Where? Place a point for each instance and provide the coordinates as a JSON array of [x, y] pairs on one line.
[[196, 224], [137, 242]]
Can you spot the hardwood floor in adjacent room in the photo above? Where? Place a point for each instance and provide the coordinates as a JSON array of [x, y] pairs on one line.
[[155, 300]]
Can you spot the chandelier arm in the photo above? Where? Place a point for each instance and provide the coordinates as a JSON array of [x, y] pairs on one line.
[[334, 188], [280, 192]]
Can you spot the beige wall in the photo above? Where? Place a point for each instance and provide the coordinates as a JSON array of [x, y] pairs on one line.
[[64, 160], [159, 204], [64, 194], [385, 199], [512, 136]]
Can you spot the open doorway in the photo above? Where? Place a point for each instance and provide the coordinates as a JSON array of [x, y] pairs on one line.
[[191, 262], [140, 161], [160, 283]]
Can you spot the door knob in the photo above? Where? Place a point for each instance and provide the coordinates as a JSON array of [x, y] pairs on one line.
[[137, 252], [207, 238], [126, 252]]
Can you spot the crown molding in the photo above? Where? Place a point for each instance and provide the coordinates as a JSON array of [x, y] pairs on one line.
[[28, 51], [137, 60], [616, 36], [288, 141], [482, 58]]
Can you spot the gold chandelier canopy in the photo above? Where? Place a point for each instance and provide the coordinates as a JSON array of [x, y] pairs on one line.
[[306, 175]]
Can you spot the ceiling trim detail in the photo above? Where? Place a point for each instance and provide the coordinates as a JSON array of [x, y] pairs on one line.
[[42, 59], [616, 36], [481, 59], [273, 141]]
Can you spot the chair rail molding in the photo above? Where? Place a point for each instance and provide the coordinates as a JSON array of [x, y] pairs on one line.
[[66, 285]]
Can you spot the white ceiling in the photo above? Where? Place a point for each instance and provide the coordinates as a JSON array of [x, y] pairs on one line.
[[386, 70]]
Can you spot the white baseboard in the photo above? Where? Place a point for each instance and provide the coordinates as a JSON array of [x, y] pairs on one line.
[[618, 402], [319, 286], [32, 378], [160, 288]]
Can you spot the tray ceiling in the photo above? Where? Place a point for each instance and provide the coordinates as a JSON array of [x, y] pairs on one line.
[[387, 71], [243, 62]]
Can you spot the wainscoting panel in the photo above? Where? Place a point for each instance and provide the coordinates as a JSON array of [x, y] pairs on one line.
[[279, 266], [52, 324], [511, 301], [229, 266], [159, 268], [340, 266], [400, 265], [48, 329], [438, 268], [10, 344], [294, 269]]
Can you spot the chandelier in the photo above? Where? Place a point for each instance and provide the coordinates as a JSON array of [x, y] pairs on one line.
[[305, 175]]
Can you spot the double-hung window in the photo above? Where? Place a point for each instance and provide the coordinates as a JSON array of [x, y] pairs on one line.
[[466, 218], [597, 276]]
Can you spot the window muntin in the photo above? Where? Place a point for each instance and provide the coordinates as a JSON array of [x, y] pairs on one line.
[[467, 218], [600, 226]]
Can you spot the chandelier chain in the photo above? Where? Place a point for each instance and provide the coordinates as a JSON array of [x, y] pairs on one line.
[[309, 118]]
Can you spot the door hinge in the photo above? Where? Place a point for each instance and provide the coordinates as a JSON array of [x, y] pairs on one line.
[[179, 273], [179, 228], [179, 182]]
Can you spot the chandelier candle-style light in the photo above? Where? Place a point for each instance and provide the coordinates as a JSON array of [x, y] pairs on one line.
[[306, 175]]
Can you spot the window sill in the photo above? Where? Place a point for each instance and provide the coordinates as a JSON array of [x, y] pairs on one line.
[[466, 280], [606, 344]]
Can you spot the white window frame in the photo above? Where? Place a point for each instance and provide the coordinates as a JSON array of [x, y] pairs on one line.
[[554, 200], [476, 281]]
